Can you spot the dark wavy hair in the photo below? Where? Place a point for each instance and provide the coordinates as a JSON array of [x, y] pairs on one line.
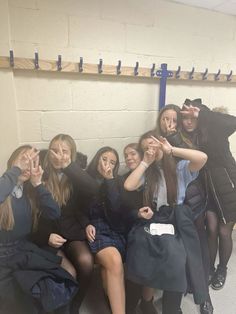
[[93, 165], [168, 164]]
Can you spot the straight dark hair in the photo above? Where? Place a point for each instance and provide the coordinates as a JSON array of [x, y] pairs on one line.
[[93, 165], [168, 107], [168, 164]]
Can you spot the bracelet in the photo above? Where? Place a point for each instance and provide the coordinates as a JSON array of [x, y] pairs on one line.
[[171, 152], [144, 164]]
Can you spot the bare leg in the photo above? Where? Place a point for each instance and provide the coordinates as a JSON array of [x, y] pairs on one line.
[[110, 259]]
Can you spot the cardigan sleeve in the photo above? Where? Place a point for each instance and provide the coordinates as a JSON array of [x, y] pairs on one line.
[[81, 180], [7, 182], [49, 209], [217, 122]]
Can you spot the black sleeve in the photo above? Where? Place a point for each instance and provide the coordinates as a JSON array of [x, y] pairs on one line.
[[218, 123], [176, 140], [112, 194], [8, 181], [49, 209], [81, 180]]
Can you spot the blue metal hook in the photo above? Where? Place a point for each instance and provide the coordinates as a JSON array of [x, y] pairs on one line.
[[81, 64], [217, 75], [36, 60], [100, 66], [177, 73], [204, 75], [191, 73], [136, 69], [11, 58], [229, 76], [153, 70], [59, 63], [118, 68]]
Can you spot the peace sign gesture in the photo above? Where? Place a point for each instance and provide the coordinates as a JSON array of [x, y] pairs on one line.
[[164, 145], [36, 172], [105, 169], [61, 158], [190, 111], [169, 126]]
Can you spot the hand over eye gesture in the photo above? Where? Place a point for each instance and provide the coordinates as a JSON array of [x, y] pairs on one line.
[[63, 158], [190, 111]]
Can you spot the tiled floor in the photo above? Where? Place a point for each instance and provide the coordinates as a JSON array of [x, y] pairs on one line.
[[224, 301]]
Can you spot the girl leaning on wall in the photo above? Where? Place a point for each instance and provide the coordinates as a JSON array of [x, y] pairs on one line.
[[181, 132], [213, 130]]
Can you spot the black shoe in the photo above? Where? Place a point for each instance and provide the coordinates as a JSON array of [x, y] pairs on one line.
[[206, 308], [219, 278], [147, 307]]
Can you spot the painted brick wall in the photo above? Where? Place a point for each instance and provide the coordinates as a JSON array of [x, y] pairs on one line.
[[106, 111]]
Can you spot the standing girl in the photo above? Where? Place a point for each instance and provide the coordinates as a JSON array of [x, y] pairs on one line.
[[213, 130]]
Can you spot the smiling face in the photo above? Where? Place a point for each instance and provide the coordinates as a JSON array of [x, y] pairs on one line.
[[108, 159], [189, 124], [148, 143], [132, 158], [58, 146], [168, 118]]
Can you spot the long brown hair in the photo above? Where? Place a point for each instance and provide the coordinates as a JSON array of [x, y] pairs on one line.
[[153, 176], [60, 189], [6, 214]]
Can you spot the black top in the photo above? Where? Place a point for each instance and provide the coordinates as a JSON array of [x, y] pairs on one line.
[[21, 206], [72, 221]]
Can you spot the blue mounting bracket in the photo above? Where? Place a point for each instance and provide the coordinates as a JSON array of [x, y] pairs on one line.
[[164, 74]]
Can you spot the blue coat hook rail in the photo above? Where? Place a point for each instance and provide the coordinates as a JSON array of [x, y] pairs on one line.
[[162, 73]]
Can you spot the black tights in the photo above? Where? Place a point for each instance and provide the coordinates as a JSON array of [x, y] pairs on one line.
[[83, 261], [171, 302], [219, 235]]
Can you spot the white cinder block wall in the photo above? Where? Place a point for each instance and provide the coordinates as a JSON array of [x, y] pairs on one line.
[[106, 111]]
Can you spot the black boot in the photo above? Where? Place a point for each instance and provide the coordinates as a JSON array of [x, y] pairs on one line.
[[206, 308], [219, 278], [147, 307]]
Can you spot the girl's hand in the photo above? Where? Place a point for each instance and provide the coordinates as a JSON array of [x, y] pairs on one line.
[[164, 145], [150, 154], [55, 240], [36, 172], [22, 162], [169, 127], [145, 212], [90, 233], [190, 111], [106, 170], [63, 159]]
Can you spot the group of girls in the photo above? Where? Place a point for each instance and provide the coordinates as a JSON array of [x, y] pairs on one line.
[[59, 217]]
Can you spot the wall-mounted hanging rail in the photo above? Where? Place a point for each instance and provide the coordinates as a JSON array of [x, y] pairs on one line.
[[162, 73]]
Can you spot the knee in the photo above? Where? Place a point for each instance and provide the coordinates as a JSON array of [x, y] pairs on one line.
[[85, 263], [224, 232], [116, 266]]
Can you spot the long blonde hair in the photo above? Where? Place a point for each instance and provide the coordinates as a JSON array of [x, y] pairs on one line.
[[60, 189], [7, 221]]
